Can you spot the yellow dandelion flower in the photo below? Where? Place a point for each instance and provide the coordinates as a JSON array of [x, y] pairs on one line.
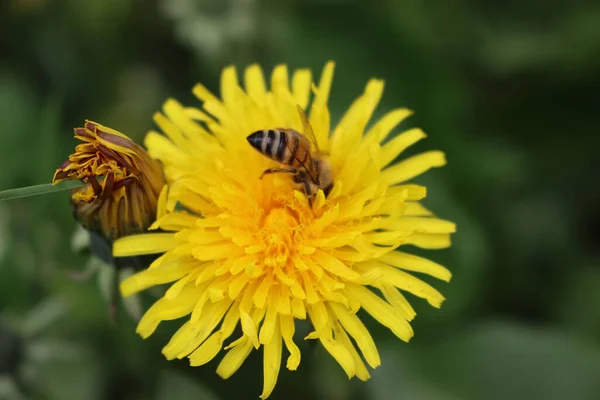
[[241, 250], [124, 182]]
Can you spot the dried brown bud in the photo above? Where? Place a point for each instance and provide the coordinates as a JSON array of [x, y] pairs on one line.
[[124, 183]]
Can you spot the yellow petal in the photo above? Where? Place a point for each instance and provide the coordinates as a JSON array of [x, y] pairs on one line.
[[202, 93], [195, 132], [166, 273], [205, 236], [197, 312], [214, 314], [349, 131], [359, 332], [269, 324], [260, 297], [177, 287], [249, 328], [216, 108], [215, 251], [229, 84], [298, 309], [161, 207], [413, 166], [326, 219], [319, 317], [167, 309], [319, 114], [411, 284], [349, 254], [398, 301], [197, 115], [429, 240], [301, 83], [175, 221], [287, 331], [393, 238], [413, 192], [396, 146], [248, 296], [334, 265], [297, 291], [183, 337], [149, 243], [419, 224], [160, 147], [385, 314], [385, 125], [255, 83], [280, 80], [171, 130], [414, 208], [184, 334], [353, 170], [285, 306], [414, 263], [312, 296], [344, 340], [234, 358], [271, 362], [237, 285], [230, 321], [207, 351], [340, 353]]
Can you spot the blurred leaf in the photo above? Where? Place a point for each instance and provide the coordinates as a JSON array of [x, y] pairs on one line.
[[9, 390], [45, 155], [397, 378], [578, 305], [79, 379], [500, 361], [50, 350], [133, 304], [80, 240], [17, 103], [330, 379], [172, 385], [469, 257], [43, 315], [106, 278]]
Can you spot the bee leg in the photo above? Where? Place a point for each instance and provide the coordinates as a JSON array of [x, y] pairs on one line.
[[278, 170], [307, 192]]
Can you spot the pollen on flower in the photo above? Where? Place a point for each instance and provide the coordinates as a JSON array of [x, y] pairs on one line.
[[280, 228], [252, 251]]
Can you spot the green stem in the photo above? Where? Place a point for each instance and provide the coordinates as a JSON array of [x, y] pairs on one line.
[[35, 190]]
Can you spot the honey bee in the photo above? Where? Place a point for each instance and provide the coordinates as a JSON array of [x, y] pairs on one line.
[[299, 152]]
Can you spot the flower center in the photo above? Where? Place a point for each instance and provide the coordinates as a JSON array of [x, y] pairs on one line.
[[281, 230]]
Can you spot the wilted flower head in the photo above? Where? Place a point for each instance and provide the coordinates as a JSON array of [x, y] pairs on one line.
[[124, 182], [254, 252]]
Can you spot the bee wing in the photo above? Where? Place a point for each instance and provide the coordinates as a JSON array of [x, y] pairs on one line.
[[307, 129], [308, 168]]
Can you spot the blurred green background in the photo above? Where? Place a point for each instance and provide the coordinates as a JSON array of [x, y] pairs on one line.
[[508, 89]]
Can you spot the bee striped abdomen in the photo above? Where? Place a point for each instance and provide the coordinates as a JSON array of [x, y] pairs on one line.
[[272, 143], [279, 146], [284, 146]]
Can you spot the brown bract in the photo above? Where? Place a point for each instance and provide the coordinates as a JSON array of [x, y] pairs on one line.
[[124, 182]]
